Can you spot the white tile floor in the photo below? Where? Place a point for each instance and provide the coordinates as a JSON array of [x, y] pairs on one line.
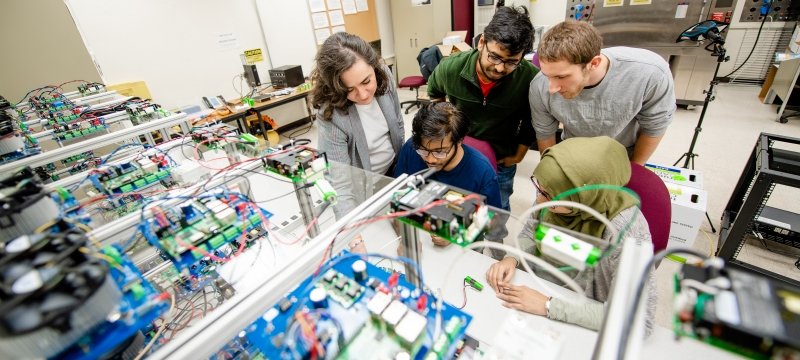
[[730, 129]]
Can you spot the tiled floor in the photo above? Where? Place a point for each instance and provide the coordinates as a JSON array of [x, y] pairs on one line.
[[730, 129]]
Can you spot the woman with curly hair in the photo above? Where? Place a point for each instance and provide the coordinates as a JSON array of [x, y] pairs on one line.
[[361, 124]]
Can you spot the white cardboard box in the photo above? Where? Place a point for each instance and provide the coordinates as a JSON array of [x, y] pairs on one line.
[[688, 212], [676, 175]]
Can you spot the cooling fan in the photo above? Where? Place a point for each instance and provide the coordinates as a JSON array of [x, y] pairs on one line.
[[51, 293]]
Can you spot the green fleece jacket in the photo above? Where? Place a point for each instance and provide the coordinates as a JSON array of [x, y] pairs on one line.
[[503, 118]]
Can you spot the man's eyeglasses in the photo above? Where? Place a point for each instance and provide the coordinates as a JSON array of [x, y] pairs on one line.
[[496, 60], [539, 189], [437, 154]]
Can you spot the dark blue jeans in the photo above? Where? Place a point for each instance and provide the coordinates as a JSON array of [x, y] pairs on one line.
[[505, 178]]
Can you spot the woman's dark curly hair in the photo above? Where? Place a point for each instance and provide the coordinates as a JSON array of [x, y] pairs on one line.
[[339, 52]]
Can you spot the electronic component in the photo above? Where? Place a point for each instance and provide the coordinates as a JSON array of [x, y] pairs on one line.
[[297, 163], [198, 229], [379, 323], [24, 205], [251, 74], [738, 310], [91, 89], [140, 112], [135, 175], [286, 76], [566, 248], [15, 145], [138, 307], [52, 293], [460, 219]]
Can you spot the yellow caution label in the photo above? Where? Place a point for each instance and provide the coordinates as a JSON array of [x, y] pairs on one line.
[[253, 56]]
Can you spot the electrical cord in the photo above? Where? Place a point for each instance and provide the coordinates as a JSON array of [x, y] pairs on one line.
[[628, 321], [758, 36]]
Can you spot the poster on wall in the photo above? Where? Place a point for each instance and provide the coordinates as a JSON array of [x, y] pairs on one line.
[[349, 7], [316, 5], [337, 29], [336, 17], [320, 20], [361, 5], [334, 5], [322, 35]]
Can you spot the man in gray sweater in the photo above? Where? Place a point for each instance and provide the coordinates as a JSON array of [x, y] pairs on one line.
[[621, 92]]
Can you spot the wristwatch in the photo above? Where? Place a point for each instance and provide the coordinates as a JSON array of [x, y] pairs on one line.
[[547, 307]]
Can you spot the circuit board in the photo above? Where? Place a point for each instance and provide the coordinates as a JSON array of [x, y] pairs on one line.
[[379, 316], [196, 229], [140, 305], [459, 219], [298, 164]]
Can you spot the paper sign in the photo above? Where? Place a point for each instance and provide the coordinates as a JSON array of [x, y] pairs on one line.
[[349, 7], [361, 5], [641, 2], [337, 29], [253, 56], [316, 5], [227, 40], [322, 35], [334, 5], [612, 3], [336, 17], [680, 12], [320, 20]]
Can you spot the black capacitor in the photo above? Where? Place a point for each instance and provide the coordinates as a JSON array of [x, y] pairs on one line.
[[359, 270]]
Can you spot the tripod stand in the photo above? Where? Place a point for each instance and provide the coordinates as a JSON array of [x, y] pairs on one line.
[[719, 51]]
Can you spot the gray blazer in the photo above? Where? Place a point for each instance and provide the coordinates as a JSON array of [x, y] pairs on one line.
[[343, 138]]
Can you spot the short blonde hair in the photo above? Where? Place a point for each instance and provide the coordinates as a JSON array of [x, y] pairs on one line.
[[573, 41]]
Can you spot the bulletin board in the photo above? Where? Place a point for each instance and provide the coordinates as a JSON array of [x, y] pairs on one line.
[[353, 16]]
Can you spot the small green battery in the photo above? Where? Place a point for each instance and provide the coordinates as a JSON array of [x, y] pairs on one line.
[[474, 283]]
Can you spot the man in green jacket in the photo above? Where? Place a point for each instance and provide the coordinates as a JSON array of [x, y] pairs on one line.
[[489, 85]]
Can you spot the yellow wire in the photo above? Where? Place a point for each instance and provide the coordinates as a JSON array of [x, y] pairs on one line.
[[710, 243], [160, 329], [100, 256]]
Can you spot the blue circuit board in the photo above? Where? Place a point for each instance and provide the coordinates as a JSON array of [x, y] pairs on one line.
[[379, 316], [140, 305], [195, 231]]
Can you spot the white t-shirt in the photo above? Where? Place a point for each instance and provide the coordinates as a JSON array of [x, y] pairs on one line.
[[376, 130]]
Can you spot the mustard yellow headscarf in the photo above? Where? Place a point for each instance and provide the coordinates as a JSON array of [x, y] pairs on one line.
[[577, 162]]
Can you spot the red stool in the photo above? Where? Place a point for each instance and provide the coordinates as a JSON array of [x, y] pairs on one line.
[[412, 83]]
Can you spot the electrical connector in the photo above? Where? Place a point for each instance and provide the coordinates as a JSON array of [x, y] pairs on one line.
[[566, 248]]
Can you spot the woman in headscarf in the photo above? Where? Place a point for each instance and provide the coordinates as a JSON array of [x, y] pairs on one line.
[[571, 164]]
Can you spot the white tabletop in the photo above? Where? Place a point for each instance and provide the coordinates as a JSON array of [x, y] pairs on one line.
[[490, 318]]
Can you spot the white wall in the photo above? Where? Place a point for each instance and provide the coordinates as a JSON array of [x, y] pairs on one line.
[[172, 45], [543, 12], [40, 47], [383, 13]]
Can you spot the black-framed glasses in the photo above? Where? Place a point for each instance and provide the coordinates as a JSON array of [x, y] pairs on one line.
[[539, 189], [496, 60], [437, 154]]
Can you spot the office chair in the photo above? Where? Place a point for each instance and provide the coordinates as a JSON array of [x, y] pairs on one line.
[[413, 83], [655, 203], [484, 148]]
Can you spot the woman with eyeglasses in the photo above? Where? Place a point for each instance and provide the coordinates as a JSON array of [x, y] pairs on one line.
[[361, 124], [574, 163]]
